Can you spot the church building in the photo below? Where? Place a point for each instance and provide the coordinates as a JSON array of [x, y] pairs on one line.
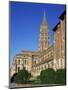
[[46, 56]]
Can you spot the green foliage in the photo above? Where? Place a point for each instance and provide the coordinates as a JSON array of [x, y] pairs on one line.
[[60, 76], [22, 76], [47, 76]]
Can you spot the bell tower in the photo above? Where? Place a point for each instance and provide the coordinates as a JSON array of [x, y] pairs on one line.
[[44, 36]]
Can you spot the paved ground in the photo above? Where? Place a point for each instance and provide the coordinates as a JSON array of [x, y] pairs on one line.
[[13, 85]]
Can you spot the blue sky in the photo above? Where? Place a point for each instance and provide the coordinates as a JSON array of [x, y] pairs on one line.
[[25, 21]]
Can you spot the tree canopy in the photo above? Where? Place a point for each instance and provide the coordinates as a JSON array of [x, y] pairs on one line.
[[47, 76], [60, 76], [22, 76]]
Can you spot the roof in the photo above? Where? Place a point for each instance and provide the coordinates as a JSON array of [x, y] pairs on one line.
[[55, 28], [62, 15]]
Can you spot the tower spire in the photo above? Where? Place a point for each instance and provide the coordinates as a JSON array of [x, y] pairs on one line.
[[44, 18], [44, 12], [44, 36]]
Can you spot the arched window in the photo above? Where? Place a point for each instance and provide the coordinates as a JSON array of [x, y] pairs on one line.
[[42, 67], [35, 61], [18, 61], [48, 65], [18, 69], [25, 61], [45, 66]]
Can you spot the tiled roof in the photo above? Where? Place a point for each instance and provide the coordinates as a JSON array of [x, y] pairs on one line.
[[55, 28], [62, 15]]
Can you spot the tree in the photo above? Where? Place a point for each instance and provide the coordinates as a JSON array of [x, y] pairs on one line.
[[60, 76], [47, 76], [13, 77], [22, 76]]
